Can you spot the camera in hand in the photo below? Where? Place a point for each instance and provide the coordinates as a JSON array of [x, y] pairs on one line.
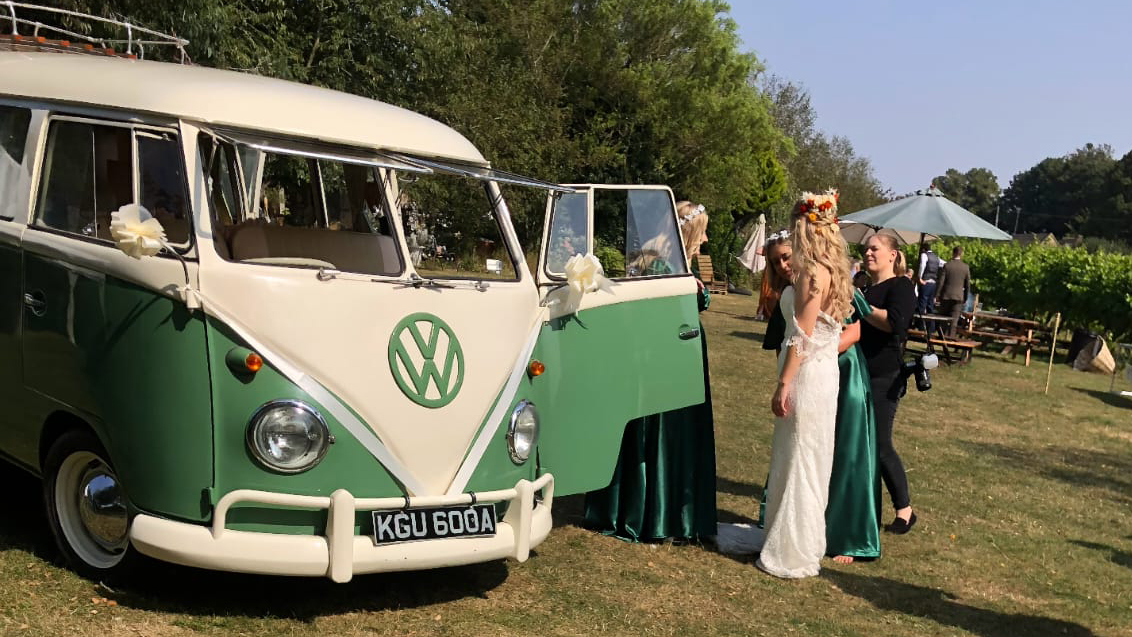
[[919, 370]]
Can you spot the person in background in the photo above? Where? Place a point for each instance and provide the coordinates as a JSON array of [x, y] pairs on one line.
[[664, 483], [954, 287], [891, 302], [926, 275], [775, 279]]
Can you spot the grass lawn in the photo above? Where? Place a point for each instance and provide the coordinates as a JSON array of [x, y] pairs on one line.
[[1024, 500]]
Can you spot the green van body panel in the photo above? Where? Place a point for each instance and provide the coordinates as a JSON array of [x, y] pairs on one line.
[[132, 364], [606, 366], [151, 378], [347, 464], [11, 304]]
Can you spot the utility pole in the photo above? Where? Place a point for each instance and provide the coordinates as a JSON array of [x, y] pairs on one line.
[[1017, 215], [996, 207]]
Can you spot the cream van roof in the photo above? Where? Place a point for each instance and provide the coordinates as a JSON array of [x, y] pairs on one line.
[[229, 98]]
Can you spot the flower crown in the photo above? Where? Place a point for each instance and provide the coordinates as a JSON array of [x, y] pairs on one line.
[[820, 210], [697, 211], [781, 235]]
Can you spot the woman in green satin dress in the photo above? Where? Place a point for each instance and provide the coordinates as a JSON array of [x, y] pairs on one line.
[[852, 514], [664, 483]]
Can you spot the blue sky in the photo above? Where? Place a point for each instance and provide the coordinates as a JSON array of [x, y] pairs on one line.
[[921, 87]]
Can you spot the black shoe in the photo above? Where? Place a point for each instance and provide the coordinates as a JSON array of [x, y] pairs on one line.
[[900, 527]]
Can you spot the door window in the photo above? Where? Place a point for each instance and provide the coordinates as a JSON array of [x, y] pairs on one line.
[[635, 233], [161, 183], [88, 173], [567, 231]]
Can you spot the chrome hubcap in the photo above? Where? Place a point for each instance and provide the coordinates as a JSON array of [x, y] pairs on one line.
[[101, 508]]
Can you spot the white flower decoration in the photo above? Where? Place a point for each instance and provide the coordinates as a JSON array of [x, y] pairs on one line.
[[136, 232], [583, 274]]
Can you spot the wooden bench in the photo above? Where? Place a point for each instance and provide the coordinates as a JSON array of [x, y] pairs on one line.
[[963, 347], [1011, 342], [707, 275]]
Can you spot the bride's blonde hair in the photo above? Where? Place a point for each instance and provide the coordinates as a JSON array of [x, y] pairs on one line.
[[818, 242]]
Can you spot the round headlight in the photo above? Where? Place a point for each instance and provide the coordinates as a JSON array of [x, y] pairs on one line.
[[522, 432], [287, 436]]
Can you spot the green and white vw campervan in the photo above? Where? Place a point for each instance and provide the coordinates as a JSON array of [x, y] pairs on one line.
[[257, 326]]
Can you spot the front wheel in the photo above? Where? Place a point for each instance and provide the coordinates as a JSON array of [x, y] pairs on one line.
[[86, 506]]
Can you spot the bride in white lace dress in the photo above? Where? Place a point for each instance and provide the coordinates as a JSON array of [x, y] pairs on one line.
[[805, 400]]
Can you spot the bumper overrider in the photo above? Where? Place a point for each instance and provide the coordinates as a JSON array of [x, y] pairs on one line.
[[340, 553]]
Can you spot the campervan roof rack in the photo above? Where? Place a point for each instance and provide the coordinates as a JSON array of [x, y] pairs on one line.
[[24, 34]]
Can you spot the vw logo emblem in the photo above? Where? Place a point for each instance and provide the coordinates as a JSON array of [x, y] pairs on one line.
[[426, 360]]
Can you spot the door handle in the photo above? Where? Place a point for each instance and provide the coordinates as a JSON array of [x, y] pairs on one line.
[[688, 333], [36, 302]]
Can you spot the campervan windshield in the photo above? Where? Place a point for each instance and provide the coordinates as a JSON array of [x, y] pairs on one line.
[[301, 205]]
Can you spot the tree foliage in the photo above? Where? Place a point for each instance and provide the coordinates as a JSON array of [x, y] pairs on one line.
[[813, 160], [1086, 192], [976, 190], [625, 91]]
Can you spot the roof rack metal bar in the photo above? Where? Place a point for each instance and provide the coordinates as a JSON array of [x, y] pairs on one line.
[[130, 27], [70, 34]]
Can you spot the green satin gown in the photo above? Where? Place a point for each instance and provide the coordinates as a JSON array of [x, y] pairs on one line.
[[664, 483], [853, 511]]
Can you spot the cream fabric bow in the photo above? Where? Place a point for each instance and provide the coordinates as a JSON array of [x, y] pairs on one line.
[[583, 274], [136, 232]]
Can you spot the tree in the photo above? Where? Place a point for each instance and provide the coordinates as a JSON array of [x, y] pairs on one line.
[[1082, 192], [976, 190], [814, 161]]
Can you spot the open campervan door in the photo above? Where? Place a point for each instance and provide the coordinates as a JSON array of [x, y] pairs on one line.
[[629, 350]]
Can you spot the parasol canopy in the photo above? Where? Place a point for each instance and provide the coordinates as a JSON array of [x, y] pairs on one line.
[[930, 213], [859, 233]]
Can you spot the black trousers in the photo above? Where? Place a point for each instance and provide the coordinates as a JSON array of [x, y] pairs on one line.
[[886, 398]]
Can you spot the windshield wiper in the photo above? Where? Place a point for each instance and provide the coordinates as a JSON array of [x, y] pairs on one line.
[[418, 281]]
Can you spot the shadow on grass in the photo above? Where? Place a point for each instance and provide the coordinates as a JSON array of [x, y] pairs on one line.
[[217, 595], [941, 607], [167, 588], [742, 317], [24, 523], [750, 336], [1079, 467], [1106, 397], [742, 489], [1116, 556]]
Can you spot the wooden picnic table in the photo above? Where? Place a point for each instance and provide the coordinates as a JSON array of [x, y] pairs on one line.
[[936, 333], [1007, 330]]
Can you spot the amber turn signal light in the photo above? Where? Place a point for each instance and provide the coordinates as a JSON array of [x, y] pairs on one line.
[[536, 368], [253, 362], [243, 361]]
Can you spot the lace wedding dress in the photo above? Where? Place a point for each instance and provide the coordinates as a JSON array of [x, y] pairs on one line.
[[802, 452], [792, 542]]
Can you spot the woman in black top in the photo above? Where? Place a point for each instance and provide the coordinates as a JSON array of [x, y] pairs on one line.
[[892, 298], [775, 279]]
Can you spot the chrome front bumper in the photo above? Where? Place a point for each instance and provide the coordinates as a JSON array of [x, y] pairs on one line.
[[340, 554]]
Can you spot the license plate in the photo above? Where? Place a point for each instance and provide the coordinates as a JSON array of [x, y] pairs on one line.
[[406, 525]]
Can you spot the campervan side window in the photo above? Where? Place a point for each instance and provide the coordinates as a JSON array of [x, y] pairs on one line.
[[13, 135], [88, 173]]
